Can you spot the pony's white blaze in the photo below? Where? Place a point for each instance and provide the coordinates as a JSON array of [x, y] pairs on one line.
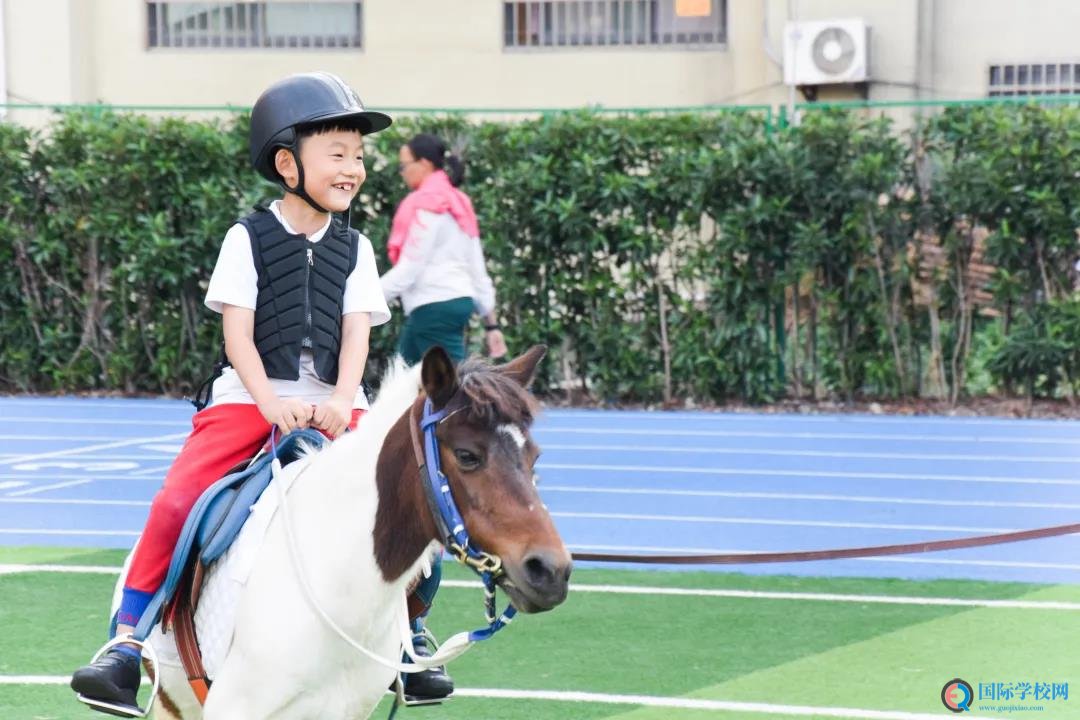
[[283, 660], [514, 433]]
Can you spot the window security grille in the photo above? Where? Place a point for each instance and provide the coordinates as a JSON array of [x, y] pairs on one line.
[[1034, 79], [613, 23], [305, 25]]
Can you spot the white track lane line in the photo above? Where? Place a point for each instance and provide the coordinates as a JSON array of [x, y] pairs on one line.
[[873, 499], [46, 488], [660, 470], [92, 448], [785, 497], [839, 419], [95, 421], [542, 429], [754, 452]]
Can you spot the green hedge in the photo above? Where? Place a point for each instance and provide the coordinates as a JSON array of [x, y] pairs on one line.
[[661, 258]]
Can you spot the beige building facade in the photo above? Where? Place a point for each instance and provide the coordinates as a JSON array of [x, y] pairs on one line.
[[496, 54]]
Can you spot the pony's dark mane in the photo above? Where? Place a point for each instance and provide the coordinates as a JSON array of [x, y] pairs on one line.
[[494, 398]]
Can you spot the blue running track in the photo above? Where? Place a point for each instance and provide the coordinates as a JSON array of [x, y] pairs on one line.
[[81, 472]]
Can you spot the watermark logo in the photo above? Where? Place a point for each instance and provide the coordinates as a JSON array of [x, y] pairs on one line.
[[1017, 696], [957, 695]]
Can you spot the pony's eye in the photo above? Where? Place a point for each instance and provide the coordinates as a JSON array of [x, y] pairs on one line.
[[466, 459]]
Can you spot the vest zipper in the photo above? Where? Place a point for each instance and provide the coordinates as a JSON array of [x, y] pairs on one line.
[[307, 297]]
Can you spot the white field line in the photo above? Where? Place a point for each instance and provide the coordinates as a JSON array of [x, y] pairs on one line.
[[680, 703], [661, 470], [884, 500], [684, 703], [9, 569], [921, 560], [768, 452], [92, 448], [17, 568], [542, 429]]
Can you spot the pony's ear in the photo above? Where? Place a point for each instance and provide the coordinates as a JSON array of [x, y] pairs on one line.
[[438, 376], [523, 367]]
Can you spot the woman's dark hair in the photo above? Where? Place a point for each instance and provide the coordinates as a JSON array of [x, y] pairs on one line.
[[432, 148]]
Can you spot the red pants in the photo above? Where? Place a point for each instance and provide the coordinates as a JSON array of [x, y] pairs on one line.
[[221, 437]]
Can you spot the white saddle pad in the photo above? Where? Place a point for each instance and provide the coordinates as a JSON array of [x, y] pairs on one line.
[[215, 617]]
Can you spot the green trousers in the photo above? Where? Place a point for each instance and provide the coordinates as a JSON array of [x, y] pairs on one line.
[[442, 323]]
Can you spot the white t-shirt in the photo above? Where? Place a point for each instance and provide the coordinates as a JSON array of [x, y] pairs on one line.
[[235, 282]]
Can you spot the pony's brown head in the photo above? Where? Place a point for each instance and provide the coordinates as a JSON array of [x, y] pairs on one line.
[[488, 454]]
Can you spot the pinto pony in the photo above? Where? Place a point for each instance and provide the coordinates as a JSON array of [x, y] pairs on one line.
[[359, 526]]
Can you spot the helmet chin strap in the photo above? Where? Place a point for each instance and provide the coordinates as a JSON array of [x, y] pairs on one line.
[[300, 191]]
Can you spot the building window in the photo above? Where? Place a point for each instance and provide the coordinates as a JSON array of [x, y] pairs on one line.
[[1034, 79], [613, 23], [276, 24]]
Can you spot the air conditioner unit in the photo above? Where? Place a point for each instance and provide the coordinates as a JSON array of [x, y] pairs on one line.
[[821, 52]]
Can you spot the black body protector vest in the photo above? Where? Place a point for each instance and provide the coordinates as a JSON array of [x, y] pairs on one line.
[[301, 293]]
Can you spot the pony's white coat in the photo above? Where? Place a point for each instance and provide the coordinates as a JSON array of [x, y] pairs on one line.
[[283, 661]]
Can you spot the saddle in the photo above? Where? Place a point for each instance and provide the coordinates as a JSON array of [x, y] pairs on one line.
[[212, 525]]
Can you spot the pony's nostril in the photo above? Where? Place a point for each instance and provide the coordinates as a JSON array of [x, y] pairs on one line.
[[539, 572], [546, 577]]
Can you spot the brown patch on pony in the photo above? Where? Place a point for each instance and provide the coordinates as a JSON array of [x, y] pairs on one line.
[[163, 699], [403, 523]]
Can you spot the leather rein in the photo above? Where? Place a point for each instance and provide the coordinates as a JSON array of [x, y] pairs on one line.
[[756, 558]]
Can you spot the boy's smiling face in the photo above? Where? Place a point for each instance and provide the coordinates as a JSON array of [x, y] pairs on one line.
[[333, 168]]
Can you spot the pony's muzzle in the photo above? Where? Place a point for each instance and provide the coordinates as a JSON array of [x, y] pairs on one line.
[[546, 579]]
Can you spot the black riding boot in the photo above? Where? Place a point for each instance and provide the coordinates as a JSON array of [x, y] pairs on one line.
[[433, 684], [110, 684]]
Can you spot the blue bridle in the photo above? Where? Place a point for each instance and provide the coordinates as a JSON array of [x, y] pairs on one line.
[[451, 526]]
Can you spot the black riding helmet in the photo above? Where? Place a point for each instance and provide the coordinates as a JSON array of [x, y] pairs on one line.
[[298, 100]]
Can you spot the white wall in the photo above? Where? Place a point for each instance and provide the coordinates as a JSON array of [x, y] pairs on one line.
[[62, 51]]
